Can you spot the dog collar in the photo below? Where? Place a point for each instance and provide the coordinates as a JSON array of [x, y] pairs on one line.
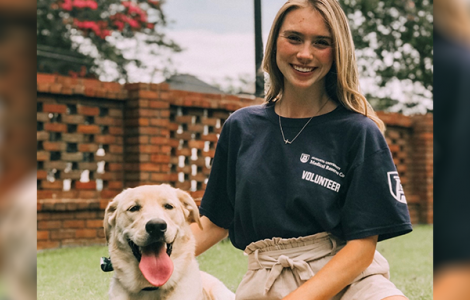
[[106, 265], [150, 288]]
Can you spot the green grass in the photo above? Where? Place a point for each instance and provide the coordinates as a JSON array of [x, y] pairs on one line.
[[225, 262], [410, 257], [74, 273]]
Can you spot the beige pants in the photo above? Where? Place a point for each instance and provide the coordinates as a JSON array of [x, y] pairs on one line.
[[278, 266]]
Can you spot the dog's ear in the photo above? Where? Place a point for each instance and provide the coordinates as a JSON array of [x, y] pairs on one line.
[[192, 214], [110, 217]]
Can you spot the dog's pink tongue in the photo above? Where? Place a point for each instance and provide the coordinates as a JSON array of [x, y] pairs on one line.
[[156, 265]]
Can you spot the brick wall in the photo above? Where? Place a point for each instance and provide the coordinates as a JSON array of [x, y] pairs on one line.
[[411, 142], [96, 138]]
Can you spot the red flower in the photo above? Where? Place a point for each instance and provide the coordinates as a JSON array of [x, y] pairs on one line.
[[133, 23], [88, 25], [79, 3], [105, 33], [92, 5], [85, 3], [67, 5], [119, 25], [135, 10]]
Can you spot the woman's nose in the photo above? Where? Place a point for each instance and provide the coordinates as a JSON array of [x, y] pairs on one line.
[[305, 52]]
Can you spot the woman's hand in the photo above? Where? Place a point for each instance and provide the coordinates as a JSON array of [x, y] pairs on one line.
[[207, 237], [339, 272]]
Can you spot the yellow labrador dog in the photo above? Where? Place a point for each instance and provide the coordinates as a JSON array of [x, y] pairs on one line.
[[152, 247]]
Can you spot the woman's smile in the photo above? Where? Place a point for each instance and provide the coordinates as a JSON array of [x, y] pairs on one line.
[[303, 69]]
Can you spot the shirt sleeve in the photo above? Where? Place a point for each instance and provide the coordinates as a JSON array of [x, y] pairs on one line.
[[217, 202], [374, 202]]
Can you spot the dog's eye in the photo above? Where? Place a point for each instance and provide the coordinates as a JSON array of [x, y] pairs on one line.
[[134, 208], [168, 206]]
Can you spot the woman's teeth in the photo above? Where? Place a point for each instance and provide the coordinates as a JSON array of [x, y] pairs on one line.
[[302, 69]]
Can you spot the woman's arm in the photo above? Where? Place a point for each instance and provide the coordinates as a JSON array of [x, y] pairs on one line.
[[340, 271], [207, 237]]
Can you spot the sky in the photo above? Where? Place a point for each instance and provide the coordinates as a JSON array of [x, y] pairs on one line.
[[217, 38]]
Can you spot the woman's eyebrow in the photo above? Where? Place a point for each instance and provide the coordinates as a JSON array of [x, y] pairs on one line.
[[286, 32]]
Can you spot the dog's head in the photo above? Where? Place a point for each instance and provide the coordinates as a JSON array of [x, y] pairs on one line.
[[148, 219]]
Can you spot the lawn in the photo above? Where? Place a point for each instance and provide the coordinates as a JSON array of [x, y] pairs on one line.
[[74, 273]]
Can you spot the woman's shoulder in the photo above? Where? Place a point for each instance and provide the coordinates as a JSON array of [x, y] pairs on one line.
[[360, 133], [358, 123], [249, 111], [247, 114], [245, 119]]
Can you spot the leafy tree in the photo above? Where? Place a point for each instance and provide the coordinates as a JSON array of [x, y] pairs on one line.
[[394, 43], [91, 37]]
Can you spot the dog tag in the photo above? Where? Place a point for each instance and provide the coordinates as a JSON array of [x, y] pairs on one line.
[[106, 265]]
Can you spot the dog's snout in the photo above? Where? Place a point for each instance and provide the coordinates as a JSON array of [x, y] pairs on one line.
[[156, 227]]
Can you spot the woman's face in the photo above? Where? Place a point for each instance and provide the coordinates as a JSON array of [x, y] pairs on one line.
[[304, 49]]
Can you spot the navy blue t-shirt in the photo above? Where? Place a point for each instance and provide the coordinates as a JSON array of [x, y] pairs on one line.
[[338, 176]]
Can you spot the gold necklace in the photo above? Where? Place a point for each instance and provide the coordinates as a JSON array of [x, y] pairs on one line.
[[286, 141]]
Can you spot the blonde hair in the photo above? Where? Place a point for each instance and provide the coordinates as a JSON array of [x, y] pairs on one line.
[[342, 81]]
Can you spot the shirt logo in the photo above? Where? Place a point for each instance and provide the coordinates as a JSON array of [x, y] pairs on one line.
[[320, 180], [395, 186], [304, 157]]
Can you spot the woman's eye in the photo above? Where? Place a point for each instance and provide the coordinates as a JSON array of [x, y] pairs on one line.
[[322, 43], [293, 38], [134, 208], [168, 206]]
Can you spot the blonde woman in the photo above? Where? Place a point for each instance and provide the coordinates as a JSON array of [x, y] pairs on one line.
[[305, 184]]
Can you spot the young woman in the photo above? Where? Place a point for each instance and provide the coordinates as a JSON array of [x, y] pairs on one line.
[[305, 183]]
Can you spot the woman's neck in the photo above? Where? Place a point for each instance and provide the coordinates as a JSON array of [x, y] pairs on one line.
[[303, 103]]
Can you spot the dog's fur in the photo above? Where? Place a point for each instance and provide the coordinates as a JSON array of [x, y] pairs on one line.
[[178, 210]]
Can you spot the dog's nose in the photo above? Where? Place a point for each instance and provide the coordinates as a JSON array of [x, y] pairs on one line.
[[156, 227]]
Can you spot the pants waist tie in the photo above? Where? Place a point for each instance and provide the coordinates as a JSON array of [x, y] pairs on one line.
[[293, 258]]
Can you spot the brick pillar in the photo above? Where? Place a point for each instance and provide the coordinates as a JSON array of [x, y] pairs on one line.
[[146, 119], [423, 165]]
